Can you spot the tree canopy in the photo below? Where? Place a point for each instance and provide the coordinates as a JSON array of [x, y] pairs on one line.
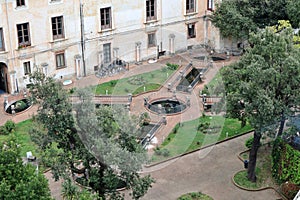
[[19, 180], [102, 140], [238, 18], [264, 83]]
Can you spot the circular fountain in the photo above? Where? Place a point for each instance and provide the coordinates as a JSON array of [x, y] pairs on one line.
[[18, 106], [166, 106]]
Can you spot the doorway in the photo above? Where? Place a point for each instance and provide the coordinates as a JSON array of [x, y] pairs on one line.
[[3, 79]]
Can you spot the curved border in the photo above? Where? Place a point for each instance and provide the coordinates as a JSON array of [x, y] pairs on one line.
[[258, 189], [181, 155], [171, 114], [18, 113]]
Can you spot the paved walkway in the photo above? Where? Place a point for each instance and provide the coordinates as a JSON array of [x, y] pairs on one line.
[[208, 171], [192, 173]]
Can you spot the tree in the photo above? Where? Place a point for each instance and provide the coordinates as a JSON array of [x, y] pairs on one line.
[[266, 80], [293, 11], [238, 18], [106, 147], [19, 180]]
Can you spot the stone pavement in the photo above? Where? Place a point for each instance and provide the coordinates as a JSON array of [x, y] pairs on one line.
[[187, 177], [209, 171]]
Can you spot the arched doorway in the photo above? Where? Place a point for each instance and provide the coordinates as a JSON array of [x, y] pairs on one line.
[[4, 88]]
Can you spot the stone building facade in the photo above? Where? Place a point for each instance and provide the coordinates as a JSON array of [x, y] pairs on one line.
[[75, 38]]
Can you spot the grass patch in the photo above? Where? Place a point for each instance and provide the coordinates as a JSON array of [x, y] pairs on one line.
[[22, 137], [188, 136], [263, 170], [148, 87], [195, 196], [241, 179], [135, 84]]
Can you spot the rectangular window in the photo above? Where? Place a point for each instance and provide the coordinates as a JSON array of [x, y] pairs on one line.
[[190, 6], [105, 18], [27, 69], [60, 60], [210, 5], [2, 47], [20, 3], [23, 35], [191, 31], [151, 40], [106, 53], [150, 10], [57, 27]]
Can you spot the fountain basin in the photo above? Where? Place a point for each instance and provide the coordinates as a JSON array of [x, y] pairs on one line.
[[18, 106], [166, 106]]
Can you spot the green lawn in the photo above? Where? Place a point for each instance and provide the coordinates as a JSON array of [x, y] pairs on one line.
[[136, 84], [263, 170], [241, 179], [22, 137], [188, 136], [195, 196]]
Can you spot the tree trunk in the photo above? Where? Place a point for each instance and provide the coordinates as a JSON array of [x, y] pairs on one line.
[[281, 127], [252, 157], [101, 186]]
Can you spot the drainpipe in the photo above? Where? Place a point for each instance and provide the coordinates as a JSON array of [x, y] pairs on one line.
[[11, 53], [82, 40]]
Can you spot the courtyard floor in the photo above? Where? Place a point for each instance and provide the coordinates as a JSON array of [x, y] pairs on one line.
[[210, 174]]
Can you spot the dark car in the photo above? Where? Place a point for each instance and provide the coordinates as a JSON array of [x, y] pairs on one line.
[[295, 142]]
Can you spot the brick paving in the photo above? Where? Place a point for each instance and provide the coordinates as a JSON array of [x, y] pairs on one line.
[[183, 170]]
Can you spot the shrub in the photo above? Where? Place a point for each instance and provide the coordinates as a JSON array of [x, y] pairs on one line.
[[249, 142], [21, 105], [171, 66], [203, 126], [285, 162], [163, 152], [8, 127]]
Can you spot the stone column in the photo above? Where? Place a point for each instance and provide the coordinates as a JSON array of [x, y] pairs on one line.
[[116, 53], [78, 65], [172, 44], [138, 52], [45, 68], [100, 58], [13, 82]]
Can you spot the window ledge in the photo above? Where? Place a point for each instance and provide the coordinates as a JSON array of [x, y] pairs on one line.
[[20, 7], [151, 21], [3, 52], [190, 14], [25, 48], [64, 67], [58, 40], [106, 30], [55, 1]]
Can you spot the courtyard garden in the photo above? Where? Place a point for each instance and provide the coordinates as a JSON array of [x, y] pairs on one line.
[[198, 133], [137, 84]]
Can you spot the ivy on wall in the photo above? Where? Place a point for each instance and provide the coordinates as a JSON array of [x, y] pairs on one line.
[[285, 163]]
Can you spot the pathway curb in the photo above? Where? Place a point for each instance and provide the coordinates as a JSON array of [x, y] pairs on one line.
[[193, 151]]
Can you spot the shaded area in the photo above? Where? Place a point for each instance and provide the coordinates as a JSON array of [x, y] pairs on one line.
[[213, 58], [190, 80]]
